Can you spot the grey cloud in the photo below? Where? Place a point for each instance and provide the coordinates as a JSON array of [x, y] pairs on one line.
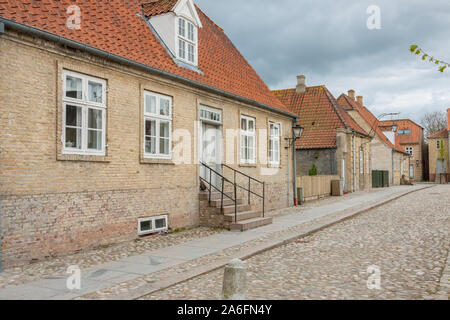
[[329, 42]]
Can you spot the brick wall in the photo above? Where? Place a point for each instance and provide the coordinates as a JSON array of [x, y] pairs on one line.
[[55, 204], [417, 156]]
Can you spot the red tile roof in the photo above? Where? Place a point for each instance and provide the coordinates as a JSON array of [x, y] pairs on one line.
[[372, 121], [320, 116], [115, 27], [441, 134], [153, 8], [416, 135]]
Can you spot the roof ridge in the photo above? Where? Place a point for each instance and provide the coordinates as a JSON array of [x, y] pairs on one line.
[[404, 120], [211, 20], [327, 93], [437, 134]]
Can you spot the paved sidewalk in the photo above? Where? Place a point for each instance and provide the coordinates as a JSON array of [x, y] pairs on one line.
[[141, 267]]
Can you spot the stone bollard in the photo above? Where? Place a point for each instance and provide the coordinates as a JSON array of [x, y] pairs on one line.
[[235, 280]]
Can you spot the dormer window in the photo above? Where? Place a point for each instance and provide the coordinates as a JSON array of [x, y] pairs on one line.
[[187, 41], [176, 27]]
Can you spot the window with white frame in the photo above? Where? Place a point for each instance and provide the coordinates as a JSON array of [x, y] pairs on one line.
[[248, 140], [152, 224], [361, 161], [274, 143], [410, 150], [157, 126], [187, 41], [368, 162], [438, 144], [84, 114]]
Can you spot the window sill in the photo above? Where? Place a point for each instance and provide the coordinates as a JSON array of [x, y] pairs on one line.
[[248, 165], [157, 161], [83, 157], [273, 165]]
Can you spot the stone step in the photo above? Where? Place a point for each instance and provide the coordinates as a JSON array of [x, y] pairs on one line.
[[230, 209], [241, 216], [226, 202], [204, 195], [250, 224]]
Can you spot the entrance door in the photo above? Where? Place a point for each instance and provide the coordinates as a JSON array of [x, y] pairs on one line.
[[212, 153], [411, 171]]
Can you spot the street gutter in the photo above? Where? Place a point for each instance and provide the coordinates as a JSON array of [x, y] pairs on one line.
[[248, 253]]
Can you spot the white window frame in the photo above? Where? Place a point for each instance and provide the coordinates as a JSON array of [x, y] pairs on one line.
[[410, 150], [153, 229], [361, 161], [274, 139], [85, 105], [368, 162], [217, 115], [438, 144], [158, 118], [186, 41], [247, 133]]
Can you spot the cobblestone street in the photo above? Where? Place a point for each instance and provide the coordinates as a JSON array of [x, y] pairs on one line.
[[407, 239]]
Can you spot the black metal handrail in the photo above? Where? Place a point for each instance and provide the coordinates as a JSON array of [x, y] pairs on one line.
[[222, 192], [249, 190], [235, 186]]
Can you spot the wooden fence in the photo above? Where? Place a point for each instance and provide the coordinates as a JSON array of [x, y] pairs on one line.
[[315, 187]]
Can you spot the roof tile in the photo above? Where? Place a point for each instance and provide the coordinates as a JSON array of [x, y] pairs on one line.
[[319, 114], [115, 27], [350, 104]]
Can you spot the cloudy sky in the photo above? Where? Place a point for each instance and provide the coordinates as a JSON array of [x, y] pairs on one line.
[[329, 42]]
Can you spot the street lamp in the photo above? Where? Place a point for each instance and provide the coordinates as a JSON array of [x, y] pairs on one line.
[[297, 131], [394, 127]]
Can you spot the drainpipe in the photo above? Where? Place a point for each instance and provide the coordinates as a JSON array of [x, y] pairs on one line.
[[392, 168], [296, 201], [354, 162]]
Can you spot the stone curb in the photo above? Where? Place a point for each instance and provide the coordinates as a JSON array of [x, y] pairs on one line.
[[246, 254]]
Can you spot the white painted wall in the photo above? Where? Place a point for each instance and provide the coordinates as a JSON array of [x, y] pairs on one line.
[[164, 25], [390, 135]]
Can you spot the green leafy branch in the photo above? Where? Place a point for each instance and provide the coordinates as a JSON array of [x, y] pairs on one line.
[[442, 65]]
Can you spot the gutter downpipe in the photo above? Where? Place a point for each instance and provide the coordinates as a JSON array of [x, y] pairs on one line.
[[296, 200], [392, 180], [354, 162], [118, 59]]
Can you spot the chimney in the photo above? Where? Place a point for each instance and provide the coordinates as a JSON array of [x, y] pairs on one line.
[[351, 94], [360, 100], [301, 84]]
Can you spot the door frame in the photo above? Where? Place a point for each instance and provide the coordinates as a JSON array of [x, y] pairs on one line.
[[217, 123]]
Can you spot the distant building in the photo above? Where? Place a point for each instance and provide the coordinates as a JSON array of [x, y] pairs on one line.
[[410, 136], [331, 141], [387, 154], [438, 153]]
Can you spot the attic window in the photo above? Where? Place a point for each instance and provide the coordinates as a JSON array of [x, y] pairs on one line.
[[187, 41]]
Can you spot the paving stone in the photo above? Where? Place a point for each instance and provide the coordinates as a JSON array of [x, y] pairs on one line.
[[408, 239]]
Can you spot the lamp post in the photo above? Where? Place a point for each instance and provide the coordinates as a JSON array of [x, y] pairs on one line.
[[297, 132], [394, 127]]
